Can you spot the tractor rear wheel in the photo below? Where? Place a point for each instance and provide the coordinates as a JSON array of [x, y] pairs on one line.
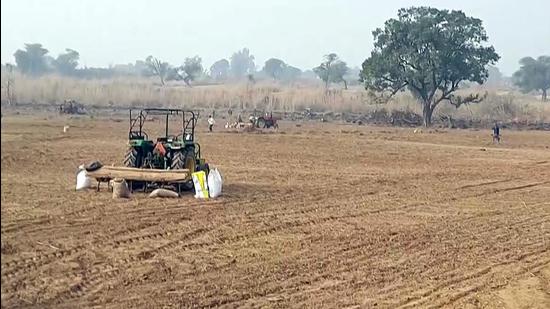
[[131, 157], [261, 123], [181, 160], [178, 161]]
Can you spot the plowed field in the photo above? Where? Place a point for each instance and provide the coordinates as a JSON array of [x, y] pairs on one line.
[[321, 215]]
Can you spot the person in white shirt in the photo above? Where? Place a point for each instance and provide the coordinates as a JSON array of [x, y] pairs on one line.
[[210, 122]]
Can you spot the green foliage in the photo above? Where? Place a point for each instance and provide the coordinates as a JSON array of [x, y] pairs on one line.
[[188, 72], [242, 63], [332, 70], [274, 68], [534, 74], [430, 52], [192, 68], [32, 60], [291, 73], [220, 70], [66, 63]]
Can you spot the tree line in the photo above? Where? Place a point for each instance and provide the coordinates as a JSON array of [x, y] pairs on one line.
[[35, 60], [430, 53]]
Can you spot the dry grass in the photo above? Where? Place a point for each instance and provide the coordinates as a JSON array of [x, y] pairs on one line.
[[263, 96]]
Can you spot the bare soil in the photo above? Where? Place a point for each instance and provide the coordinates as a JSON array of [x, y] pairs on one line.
[[319, 216]]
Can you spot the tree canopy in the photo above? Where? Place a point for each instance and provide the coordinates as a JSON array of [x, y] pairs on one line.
[[192, 68], [291, 73], [66, 63], [242, 63], [274, 68], [32, 60], [428, 52], [332, 70], [534, 74], [220, 69]]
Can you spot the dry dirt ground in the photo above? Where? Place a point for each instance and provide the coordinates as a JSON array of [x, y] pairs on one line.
[[321, 215]]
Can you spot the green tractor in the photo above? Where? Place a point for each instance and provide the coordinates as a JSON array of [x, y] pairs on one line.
[[172, 151]]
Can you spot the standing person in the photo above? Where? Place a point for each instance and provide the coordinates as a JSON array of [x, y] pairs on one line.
[[210, 122], [496, 133]]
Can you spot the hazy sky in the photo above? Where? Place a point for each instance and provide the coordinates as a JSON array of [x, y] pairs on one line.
[[299, 32]]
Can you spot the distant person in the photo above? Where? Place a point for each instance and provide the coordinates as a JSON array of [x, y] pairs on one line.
[[496, 133], [211, 122]]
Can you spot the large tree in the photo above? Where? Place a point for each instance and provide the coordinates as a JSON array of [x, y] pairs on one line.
[[220, 69], [332, 70], [32, 60], [66, 63], [534, 74], [430, 52], [274, 68], [291, 73], [156, 67], [188, 72], [242, 63], [192, 69]]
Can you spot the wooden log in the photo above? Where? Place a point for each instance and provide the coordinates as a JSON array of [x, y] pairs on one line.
[[141, 174]]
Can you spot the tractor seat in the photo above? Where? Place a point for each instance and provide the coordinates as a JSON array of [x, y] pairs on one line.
[[136, 135]]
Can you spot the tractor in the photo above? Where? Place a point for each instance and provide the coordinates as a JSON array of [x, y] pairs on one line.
[[172, 151], [266, 121], [72, 107]]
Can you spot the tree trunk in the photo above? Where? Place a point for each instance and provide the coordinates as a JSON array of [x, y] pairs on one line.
[[161, 80], [427, 114], [345, 84], [544, 95]]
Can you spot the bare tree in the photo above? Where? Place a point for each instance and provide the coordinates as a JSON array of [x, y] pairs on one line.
[[157, 67], [9, 85]]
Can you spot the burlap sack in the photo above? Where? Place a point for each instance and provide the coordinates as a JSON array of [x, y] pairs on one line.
[[163, 193], [120, 188]]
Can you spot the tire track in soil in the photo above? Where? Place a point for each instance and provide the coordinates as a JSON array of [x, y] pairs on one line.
[[63, 253], [256, 234], [28, 265], [32, 263], [47, 257], [482, 228], [454, 297], [525, 223], [352, 262], [20, 224], [477, 185], [44, 258], [102, 273], [437, 291], [189, 247]]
